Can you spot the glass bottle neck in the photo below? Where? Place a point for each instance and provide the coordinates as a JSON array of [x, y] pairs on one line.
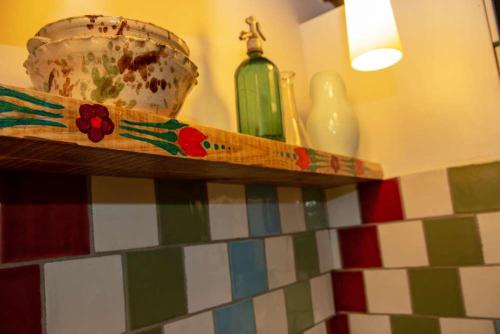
[[255, 54]]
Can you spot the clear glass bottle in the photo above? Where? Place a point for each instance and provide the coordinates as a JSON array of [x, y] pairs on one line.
[[295, 131], [258, 90]]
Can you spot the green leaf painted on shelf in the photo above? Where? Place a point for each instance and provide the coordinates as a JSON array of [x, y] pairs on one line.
[[8, 122], [7, 106], [28, 98], [170, 136], [171, 124], [170, 148]]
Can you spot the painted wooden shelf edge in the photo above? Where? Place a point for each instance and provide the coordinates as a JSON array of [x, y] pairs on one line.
[[53, 133]]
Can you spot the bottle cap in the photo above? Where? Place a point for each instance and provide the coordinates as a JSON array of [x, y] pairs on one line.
[[253, 37]]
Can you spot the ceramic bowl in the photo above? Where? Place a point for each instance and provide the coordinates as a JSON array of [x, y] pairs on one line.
[[125, 71]]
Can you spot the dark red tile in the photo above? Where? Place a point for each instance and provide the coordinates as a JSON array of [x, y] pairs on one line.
[[20, 302], [339, 324], [359, 247], [349, 291], [43, 216], [380, 201]]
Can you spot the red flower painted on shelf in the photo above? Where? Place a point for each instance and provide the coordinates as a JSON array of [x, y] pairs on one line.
[[335, 163], [190, 141], [94, 121], [304, 160], [359, 167]]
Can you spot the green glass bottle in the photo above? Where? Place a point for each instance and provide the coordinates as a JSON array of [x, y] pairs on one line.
[[258, 89]]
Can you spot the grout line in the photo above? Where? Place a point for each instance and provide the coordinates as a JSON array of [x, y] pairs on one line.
[[125, 291], [43, 300], [90, 207]]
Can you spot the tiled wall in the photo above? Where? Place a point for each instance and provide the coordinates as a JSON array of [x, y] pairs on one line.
[[419, 254]]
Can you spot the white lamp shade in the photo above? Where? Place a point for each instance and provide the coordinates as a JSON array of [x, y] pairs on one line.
[[373, 36]]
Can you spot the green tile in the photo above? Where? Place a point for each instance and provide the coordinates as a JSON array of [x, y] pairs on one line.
[[155, 283], [436, 292], [299, 309], [183, 212], [314, 208], [453, 241], [152, 331], [414, 325], [306, 255], [475, 188]]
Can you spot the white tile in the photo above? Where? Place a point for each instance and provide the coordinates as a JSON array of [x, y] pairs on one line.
[[123, 213], [291, 210], [270, 313], [207, 276], [322, 297], [481, 291], [198, 324], [334, 239], [426, 194], [343, 206], [466, 326], [489, 228], [227, 211], [369, 324], [318, 329], [387, 291], [85, 296], [280, 261], [324, 246], [403, 244]]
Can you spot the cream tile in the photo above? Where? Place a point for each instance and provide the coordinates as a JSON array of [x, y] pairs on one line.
[[403, 244], [334, 239], [426, 194], [199, 324], [369, 324], [343, 206], [466, 326], [481, 291], [322, 297], [318, 329], [270, 313], [227, 211], [123, 213], [280, 261], [324, 250], [291, 210], [85, 296], [489, 229], [208, 280], [387, 291]]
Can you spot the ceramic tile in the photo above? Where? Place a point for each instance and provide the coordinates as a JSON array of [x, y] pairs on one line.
[[359, 247], [182, 209], [403, 244], [123, 213], [369, 324], [291, 210], [325, 255], [322, 297], [262, 210], [43, 216], [235, 318], [426, 194], [315, 208], [466, 326], [380, 201], [152, 331], [270, 313], [227, 210], [489, 230], [481, 291], [475, 188], [20, 298], [497, 323], [414, 325], [280, 261], [155, 283], [343, 206], [387, 291], [299, 307], [436, 292], [318, 329], [248, 268], [202, 323], [453, 241], [338, 324], [306, 255], [349, 291], [334, 240], [74, 304], [208, 281]]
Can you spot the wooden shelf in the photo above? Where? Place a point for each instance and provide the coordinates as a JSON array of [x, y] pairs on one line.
[[46, 133]]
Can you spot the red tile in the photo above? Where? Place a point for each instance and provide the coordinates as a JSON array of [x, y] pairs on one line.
[[359, 247], [43, 216], [380, 201], [349, 291], [20, 310], [339, 324]]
